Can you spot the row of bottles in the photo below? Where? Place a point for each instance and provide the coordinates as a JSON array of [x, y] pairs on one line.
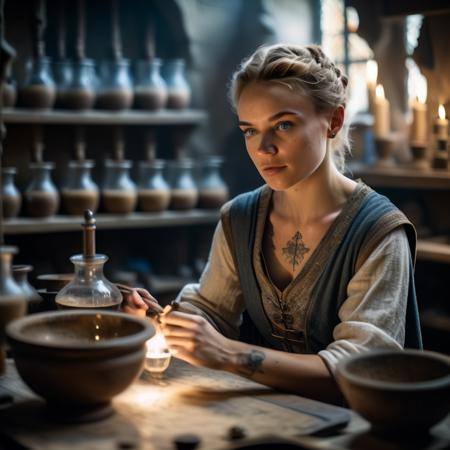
[[80, 85], [119, 194]]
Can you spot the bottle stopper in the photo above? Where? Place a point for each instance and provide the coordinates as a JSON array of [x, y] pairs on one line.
[[89, 234]]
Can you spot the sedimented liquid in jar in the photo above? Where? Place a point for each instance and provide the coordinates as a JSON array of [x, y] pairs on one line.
[[212, 198], [119, 202], [153, 200], [183, 198], [76, 201]]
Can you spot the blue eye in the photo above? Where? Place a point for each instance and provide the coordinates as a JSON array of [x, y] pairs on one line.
[[249, 132], [284, 125]]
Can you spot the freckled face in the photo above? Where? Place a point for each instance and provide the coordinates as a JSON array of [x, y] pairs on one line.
[[284, 134]]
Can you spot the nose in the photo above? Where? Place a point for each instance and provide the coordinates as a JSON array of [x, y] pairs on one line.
[[266, 144]]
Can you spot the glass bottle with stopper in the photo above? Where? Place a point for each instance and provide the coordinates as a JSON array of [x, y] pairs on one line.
[[89, 288]]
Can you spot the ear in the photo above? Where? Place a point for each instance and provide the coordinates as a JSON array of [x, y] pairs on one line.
[[336, 122]]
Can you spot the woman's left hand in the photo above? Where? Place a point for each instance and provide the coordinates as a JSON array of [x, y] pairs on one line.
[[195, 340]]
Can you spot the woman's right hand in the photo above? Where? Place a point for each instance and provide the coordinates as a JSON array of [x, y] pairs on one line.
[[139, 302]]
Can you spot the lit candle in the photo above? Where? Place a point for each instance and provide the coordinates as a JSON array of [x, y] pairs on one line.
[[418, 132], [441, 125], [382, 122], [371, 77]]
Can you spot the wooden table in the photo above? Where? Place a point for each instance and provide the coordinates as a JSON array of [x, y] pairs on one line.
[[153, 412]]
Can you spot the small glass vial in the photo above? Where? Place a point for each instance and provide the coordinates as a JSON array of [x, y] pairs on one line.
[[115, 88], [183, 193], [119, 195], [20, 274], [41, 198], [80, 192], [150, 91], [89, 288], [39, 90], [153, 190], [212, 190], [62, 75], [80, 92], [13, 302], [178, 89], [12, 200]]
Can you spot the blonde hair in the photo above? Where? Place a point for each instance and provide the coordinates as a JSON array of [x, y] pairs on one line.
[[307, 69]]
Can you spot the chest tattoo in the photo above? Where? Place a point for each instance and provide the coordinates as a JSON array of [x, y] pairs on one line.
[[295, 250]]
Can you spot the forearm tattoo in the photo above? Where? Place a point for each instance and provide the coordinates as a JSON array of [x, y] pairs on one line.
[[250, 362]]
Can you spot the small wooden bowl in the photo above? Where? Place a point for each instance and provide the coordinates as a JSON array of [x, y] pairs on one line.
[[79, 360], [398, 392]]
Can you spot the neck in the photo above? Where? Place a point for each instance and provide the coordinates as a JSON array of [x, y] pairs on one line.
[[323, 192]]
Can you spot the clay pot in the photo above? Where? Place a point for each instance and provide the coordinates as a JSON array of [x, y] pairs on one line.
[[398, 392], [79, 360]]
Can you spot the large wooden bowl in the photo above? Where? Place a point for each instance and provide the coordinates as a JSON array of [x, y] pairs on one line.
[[79, 360], [398, 392]]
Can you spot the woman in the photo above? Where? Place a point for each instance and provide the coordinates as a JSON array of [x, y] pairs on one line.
[[320, 264]]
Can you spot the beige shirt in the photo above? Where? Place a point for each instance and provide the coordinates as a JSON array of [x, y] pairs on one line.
[[372, 316]]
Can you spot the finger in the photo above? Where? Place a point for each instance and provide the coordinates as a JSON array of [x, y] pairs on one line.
[[185, 356], [180, 342], [181, 319], [177, 332], [145, 294], [133, 311]]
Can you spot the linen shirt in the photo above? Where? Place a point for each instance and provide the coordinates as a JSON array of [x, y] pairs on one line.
[[372, 316]]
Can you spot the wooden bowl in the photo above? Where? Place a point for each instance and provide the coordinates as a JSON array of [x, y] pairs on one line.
[[54, 282], [398, 392], [79, 360]]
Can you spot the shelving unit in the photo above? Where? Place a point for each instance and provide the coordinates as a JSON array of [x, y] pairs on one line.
[[401, 177], [57, 224], [64, 117]]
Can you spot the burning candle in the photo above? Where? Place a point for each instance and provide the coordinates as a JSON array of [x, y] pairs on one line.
[[441, 125], [371, 77], [382, 123], [158, 356], [418, 132]]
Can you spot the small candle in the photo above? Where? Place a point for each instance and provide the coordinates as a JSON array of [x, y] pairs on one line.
[[382, 123], [371, 77], [441, 125], [418, 132]]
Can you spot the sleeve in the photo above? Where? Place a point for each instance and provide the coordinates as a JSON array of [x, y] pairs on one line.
[[218, 295], [373, 315]]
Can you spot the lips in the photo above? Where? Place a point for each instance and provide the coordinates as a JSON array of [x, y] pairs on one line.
[[273, 170]]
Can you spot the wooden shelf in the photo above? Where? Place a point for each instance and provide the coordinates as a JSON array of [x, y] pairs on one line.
[[434, 249], [399, 177], [61, 117], [24, 225]]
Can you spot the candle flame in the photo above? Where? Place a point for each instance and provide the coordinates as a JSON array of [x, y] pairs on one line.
[[441, 112], [157, 344], [371, 71], [379, 91], [422, 90]]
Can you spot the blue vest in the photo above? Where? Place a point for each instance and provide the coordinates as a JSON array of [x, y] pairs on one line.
[[330, 290]]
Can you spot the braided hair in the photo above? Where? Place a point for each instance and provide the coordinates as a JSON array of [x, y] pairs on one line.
[[305, 69]]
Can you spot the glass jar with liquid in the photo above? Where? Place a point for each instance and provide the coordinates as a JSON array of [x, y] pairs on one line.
[[153, 190], [80, 192], [183, 190], [12, 199], [119, 194], [41, 198], [178, 89], [150, 91], [212, 190]]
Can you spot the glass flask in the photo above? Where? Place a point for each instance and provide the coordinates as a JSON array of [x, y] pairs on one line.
[[150, 91], [39, 89], [183, 191], [12, 199], [9, 93], [115, 90], [212, 190], [158, 356], [12, 299], [178, 89], [119, 195], [80, 92], [153, 190], [41, 198], [62, 75], [89, 288], [20, 274], [80, 192]]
